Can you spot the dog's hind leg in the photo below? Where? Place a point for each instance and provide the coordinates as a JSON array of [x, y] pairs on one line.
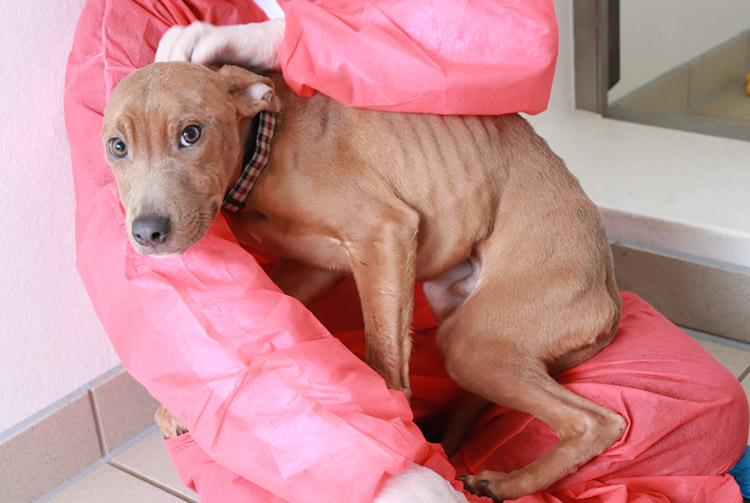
[[585, 430], [512, 375]]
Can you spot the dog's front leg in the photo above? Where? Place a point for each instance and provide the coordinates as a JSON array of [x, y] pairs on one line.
[[383, 261]]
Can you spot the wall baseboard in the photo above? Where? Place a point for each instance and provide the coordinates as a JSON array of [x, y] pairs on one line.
[[73, 434], [704, 296]]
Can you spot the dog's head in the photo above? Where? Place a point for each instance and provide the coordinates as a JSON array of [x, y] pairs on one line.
[[174, 135]]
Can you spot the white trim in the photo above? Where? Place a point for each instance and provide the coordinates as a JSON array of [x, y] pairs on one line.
[[679, 191]]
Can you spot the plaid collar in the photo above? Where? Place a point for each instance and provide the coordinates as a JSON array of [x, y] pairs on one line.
[[234, 200]]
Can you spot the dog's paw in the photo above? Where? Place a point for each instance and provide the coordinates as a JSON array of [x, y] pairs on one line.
[[250, 45], [169, 425], [496, 485]]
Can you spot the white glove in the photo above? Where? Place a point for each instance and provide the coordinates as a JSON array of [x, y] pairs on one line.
[[418, 484], [253, 45]]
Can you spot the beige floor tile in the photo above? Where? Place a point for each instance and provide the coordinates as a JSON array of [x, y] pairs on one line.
[[668, 95], [149, 459], [733, 105], [108, 484], [125, 409], [735, 359], [50, 451], [716, 70]]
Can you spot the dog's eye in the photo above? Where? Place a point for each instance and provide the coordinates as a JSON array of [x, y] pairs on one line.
[[190, 135], [118, 148]]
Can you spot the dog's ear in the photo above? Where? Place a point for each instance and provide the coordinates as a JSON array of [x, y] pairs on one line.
[[251, 92]]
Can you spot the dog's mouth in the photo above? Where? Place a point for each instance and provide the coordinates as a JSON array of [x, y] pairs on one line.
[[162, 250], [167, 248], [162, 236]]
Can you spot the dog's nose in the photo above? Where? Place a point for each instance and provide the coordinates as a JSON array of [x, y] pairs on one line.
[[151, 231]]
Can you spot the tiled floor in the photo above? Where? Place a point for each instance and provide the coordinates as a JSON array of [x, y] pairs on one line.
[[142, 470], [139, 471]]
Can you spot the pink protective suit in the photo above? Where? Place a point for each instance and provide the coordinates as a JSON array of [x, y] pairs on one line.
[[437, 56], [279, 410]]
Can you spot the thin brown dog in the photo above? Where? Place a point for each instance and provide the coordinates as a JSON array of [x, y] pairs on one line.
[[516, 264]]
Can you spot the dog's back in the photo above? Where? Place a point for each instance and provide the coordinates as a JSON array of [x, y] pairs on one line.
[[465, 176]]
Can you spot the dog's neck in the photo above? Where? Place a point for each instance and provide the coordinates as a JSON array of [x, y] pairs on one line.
[[254, 160]]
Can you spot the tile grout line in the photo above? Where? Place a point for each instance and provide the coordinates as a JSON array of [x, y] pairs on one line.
[[713, 95], [130, 443], [98, 422], [725, 341], [72, 481], [145, 478], [744, 374]]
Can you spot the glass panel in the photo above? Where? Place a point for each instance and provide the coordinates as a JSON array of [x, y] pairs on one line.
[[683, 64]]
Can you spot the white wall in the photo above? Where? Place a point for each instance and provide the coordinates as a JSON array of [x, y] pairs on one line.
[[562, 98], [657, 36], [50, 340]]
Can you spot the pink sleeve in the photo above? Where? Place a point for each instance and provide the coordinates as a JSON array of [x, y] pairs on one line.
[[265, 390], [433, 56]]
